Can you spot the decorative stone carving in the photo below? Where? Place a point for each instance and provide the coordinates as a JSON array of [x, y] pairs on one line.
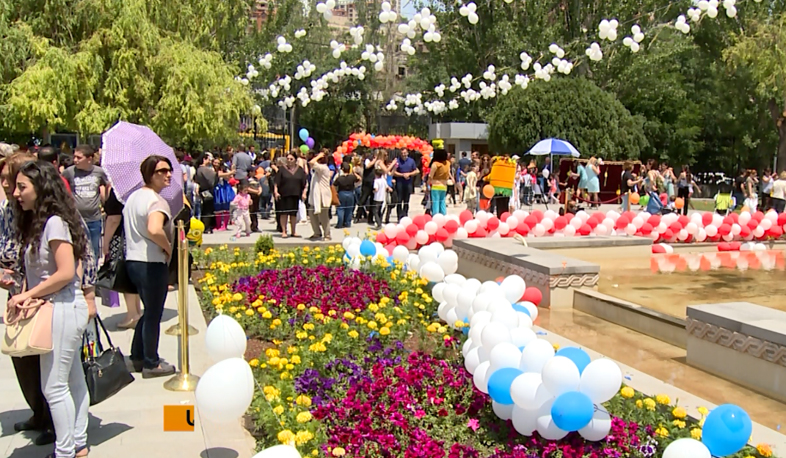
[[742, 343]]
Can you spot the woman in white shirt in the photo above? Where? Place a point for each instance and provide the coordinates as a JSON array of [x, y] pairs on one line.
[[147, 222], [779, 193]]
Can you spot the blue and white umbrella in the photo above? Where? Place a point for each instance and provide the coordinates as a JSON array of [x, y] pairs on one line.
[[554, 146]]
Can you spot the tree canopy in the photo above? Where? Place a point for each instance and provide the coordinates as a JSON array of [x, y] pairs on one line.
[[573, 109]]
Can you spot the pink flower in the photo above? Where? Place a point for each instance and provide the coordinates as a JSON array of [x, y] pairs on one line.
[[473, 424], [420, 414]]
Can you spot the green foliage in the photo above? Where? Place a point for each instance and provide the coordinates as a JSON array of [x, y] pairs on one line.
[[264, 245], [574, 109]]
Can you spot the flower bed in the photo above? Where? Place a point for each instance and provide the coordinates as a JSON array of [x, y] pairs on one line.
[[356, 364]]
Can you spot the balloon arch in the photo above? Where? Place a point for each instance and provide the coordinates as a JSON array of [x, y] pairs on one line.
[[384, 141]]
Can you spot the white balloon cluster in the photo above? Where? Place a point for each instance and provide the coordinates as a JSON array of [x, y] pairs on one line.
[[357, 34], [682, 25], [522, 81], [607, 29], [543, 72], [594, 52], [283, 46], [225, 391], [504, 84], [251, 72], [556, 50], [694, 14], [266, 61], [300, 33], [563, 66], [436, 263], [305, 70], [469, 11], [337, 48], [387, 14], [731, 9], [633, 42], [326, 8], [489, 73], [454, 84], [526, 60], [710, 7], [488, 91], [406, 46], [467, 80], [374, 56]]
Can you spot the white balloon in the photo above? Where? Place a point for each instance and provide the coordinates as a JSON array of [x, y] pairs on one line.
[[505, 316], [504, 355], [512, 222], [472, 360], [531, 308], [601, 380], [400, 254], [598, 428], [528, 392], [493, 334], [479, 377], [428, 254], [431, 228], [560, 375], [686, 448], [466, 347], [224, 392], [535, 355], [546, 427], [431, 271], [321, 8], [461, 234], [480, 318], [448, 261], [514, 287], [390, 230], [421, 237], [503, 411], [225, 339], [471, 226], [279, 451], [450, 293], [473, 18], [437, 290], [455, 279], [521, 337], [492, 288], [524, 421]]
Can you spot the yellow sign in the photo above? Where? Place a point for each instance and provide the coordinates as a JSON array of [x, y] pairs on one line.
[[179, 418], [438, 143]]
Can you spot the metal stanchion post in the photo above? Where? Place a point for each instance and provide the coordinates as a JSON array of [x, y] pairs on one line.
[[183, 380], [628, 202], [567, 199]]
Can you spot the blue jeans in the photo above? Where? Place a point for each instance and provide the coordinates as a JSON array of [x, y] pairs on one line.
[[438, 204], [346, 207], [94, 229], [150, 279], [624, 201], [264, 206]]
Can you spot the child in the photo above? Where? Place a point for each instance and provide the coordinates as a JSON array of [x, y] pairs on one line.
[[242, 215], [381, 189], [471, 189], [553, 181]]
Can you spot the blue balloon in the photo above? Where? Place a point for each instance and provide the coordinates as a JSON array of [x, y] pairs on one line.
[[572, 411], [367, 248], [726, 430], [522, 309], [577, 355], [499, 384], [303, 134], [465, 329]]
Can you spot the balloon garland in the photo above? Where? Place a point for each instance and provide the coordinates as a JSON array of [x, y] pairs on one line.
[[384, 141]]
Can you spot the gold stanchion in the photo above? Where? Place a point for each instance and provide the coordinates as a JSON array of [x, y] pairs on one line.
[[183, 380], [567, 199], [628, 202]]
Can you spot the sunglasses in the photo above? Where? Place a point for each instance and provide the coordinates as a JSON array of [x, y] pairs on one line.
[[164, 171]]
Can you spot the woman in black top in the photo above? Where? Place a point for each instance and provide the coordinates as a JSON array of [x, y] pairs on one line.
[[206, 178], [345, 187], [290, 189], [113, 247]]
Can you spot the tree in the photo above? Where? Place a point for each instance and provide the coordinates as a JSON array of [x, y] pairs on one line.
[[759, 50], [574, 109], [114, 60]]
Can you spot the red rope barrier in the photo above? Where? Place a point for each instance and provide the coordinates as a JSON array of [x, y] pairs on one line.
[[612, 201]]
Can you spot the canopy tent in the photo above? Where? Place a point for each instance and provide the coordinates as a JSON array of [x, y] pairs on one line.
[[554, 147]]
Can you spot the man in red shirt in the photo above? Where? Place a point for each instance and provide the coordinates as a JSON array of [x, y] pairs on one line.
[[48, 154]]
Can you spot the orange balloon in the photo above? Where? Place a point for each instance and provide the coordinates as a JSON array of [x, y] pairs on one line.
[[679, 203], [634, 198], [488, 191]]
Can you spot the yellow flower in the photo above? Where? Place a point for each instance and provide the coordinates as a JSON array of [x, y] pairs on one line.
[[301, 334], [290, 367], [254, 362], [237, 297], [327, 338], [679, 412], [274, 361], [338, 451], [372, 325], [303, 400], [319, 316], [303, 417], [695, 433], [267, 315], [295, 359], [291, 349], [703, 411], [232, 309], [649, 403], [354, 334], [250, 312], [764, 450], [278, 410], [308, 326], [277, 322], [344, 326], [627, 392], [556, 346], [349, 316], [663, 399], [662, 432], [639, 404], [384, 331], [301, 306], [678, 423], [271, 301], [286, 436], [313, 309], [303, 436], [373, 307]]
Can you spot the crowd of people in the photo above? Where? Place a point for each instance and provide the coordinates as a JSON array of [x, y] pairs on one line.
[[58, 219]]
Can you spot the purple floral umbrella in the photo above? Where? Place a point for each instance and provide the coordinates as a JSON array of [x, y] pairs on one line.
[[124, 147]]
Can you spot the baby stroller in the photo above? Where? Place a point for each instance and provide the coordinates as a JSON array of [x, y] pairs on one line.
[[538, 195], [724, 199]]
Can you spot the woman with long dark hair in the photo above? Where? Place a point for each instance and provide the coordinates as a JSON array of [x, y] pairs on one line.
[[684, 183], [147, 222], [290, 190], [438, 180], [53, 242]]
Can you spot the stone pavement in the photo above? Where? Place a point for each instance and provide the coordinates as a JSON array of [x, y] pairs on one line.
[[130, 424]]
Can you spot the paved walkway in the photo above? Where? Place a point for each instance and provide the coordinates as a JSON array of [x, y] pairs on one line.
[[131, 423]]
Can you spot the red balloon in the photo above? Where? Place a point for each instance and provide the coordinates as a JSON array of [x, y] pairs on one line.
[[389, 248], [600, 216], [706, 218], [675, 227], [752, 224], [382, 238], [622, 222], [782, 219], [492, 223], [560, 223], [758, 216], [734, 246], [724, 229], [668, 235], [441, 235], [532, 294], [412, 229], [465, 216], [569, 216], [419, 221], [585, 229], [481, 232], [745, 232], [504, 217], [723, 246], [654, 220], [729, 219], [592, 222], [683, 220], [531, 220], [775, 231], [664, 198], [522, 229], [451, 226], [646, 229], [402, 238], [658, 249], [537, 214]]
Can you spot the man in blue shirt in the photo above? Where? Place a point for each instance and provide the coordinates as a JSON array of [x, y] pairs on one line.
[[404, 170], [464, 162]]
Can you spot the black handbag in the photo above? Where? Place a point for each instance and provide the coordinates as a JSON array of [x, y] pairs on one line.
[[106, 374], [112, 275]]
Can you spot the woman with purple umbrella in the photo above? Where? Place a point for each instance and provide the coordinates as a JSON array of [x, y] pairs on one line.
[[147, 222]]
